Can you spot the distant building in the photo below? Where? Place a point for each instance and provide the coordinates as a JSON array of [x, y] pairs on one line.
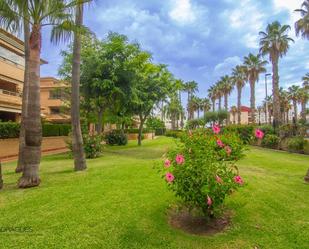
[[52, 100], [245, 117]]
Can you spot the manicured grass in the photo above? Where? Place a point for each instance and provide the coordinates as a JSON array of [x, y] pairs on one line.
[[121, 202]]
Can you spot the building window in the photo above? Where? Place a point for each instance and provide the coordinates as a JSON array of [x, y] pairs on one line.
[[56, 94], [54, 110]]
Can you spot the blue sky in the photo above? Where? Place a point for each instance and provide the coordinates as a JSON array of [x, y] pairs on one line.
[[200, 40]]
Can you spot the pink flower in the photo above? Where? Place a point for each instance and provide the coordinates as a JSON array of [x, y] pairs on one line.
[[220, 143], [169, 177], [180, 159], [167, 163], [228, 150], [238, 180], [219, 179], [216, 129], [259, 134], [209, 201]]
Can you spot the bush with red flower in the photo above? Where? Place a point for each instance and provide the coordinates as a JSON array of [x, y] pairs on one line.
[[201, 169]]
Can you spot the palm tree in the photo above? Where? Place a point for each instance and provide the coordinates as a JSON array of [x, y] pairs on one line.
[[39, 14], [254, 66], [275, 42], [190, 87], [227, 86], [306, 81], [212, 96], [302, 25], [303, 100], [77, 138], [206, 105], [239, 78], [260, 109], [218, 93], [293, 93], [284, 104], [234, 110]]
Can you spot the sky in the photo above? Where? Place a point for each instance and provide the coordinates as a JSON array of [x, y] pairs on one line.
[[199, 40]]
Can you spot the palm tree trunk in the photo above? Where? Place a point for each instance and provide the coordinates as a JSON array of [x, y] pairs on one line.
[[252, 100], [213, 105], [226, 108], [219, 103], [77, 138], [303, 111], [295, 110], [276, 94], [287, 117], [100, 121], [239, 104], [20, 161], [32, 123]]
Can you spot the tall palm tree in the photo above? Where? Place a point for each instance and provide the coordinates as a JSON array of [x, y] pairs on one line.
[[226, 87], [293, 92], [254, 66], [239, 78], [284, 105], [212, 96], [260, 109], [77, 138], [302, 25], [190, 87], [39, 14], [206, 105], [303, 100], [219, 93], [275, 42]]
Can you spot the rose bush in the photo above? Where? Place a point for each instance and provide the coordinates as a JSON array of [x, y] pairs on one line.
[[201, 169]]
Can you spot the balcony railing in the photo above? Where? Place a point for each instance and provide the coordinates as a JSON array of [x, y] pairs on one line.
[[2, 91]]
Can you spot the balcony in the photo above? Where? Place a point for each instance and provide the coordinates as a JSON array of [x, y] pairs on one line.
[[10, 99]]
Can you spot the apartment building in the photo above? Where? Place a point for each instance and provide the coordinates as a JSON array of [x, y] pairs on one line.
[[12, 66], [53, 106]]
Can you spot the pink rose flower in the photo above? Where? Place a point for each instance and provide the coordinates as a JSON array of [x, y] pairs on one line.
[[167, 163], [220, 143], [209, 201], [259, 134], [180, 159], [238, 180], [216, 129], [169, 177], [219, 179], [228, 150]]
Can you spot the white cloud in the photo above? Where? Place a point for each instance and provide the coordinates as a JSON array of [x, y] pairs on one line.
[[182, 11], [226, 66]]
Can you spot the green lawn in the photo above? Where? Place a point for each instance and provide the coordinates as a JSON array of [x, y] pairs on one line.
[[121, 202]]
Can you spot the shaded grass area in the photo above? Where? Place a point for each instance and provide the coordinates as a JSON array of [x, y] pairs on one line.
[[121, 202]]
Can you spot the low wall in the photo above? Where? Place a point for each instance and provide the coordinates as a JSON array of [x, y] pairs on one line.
[[9, 147]]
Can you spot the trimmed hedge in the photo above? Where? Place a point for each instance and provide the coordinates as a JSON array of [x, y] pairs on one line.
[[174, 133], [11, 130]]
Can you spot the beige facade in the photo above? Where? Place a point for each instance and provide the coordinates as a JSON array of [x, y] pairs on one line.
[[52, 100], [11, 76], [245, 117]]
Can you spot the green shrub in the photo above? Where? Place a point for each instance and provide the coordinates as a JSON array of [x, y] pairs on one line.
[[267, 129], [174, 133], [54, 130], [93, 146], [116, 138], [211, 117], [296, 144], [286, 130], [201, 170], [9, 130], [160, 131], [245, 132], [271, 141]]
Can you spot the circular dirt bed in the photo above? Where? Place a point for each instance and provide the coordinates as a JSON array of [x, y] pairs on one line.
[[184, 221]]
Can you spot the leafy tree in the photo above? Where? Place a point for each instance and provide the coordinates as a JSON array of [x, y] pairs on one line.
[[152, 84], [254, 66], [275, 42]]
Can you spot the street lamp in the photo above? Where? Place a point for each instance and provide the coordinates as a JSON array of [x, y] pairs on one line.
[[266, 95]]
